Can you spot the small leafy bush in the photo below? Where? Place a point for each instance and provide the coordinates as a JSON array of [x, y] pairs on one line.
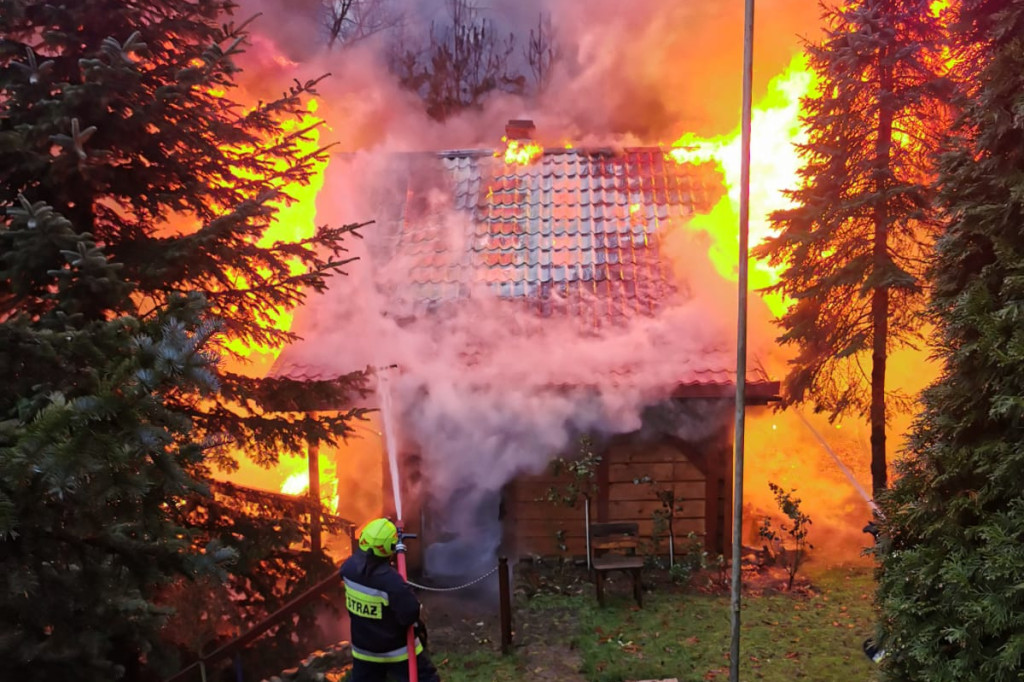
[[691, 559], [789, 543]]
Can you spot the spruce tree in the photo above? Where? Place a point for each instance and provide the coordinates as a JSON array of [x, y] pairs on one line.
[[122, 117], [953, 564], [851, 247], [91, 455], [120, 128]]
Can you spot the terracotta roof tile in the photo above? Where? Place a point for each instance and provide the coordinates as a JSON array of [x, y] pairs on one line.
[[576, 232], [578, 210]]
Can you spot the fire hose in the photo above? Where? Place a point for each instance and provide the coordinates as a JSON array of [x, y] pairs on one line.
[[411, 635], [400, 549], [472, 582], [871, 648]]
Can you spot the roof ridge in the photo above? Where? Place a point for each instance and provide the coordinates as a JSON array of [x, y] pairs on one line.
[[483, 152], [553, 151]]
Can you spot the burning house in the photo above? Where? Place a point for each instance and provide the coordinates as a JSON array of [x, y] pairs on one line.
[[530, 292], [528, 298]]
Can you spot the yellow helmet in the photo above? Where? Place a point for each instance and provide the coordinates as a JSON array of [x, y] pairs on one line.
[[379, 536]]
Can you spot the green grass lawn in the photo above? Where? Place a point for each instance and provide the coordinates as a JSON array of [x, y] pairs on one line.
[[813, 634]]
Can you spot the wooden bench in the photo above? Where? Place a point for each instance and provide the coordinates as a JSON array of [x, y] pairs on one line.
[[613, 547]]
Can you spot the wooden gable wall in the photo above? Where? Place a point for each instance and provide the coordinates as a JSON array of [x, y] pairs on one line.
[[698, 473]]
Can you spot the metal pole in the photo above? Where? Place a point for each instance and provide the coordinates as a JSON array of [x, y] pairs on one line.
[[741, 344], [505, 605]]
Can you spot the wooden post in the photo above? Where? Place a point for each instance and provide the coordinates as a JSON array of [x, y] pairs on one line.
[[314, 498], [586, 525], [510, 533], [724, 519], [505, 605], [603, 482], [718, 498]]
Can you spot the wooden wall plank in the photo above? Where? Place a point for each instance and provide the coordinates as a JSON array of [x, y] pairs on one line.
[[685, 490], [545, 527], [689, 490], [685, 470], [681, 526], [644, 509], [546, 510], [548, 546], [534, 521], [627, 472]]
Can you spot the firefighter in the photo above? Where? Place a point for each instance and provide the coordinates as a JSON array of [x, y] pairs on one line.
[[871, 648], [382, 607]]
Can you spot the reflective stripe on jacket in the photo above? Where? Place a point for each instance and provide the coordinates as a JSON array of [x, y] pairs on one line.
[[381, 606], [364, 601], [393, 656]]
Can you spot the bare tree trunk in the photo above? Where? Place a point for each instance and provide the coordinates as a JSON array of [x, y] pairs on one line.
[[880, 317], [880, 296], [337, 14]]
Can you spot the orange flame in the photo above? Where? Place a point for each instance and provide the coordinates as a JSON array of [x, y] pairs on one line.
[[352, 466], [776, 128], [521, 153], [294, 222], [788, 455], [297, 482]]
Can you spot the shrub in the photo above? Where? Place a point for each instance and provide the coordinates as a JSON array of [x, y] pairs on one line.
[[789, 543]]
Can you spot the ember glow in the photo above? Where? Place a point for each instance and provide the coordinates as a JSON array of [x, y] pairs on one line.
[[774, 166]]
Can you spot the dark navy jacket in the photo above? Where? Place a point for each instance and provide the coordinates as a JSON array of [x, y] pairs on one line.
[[381, 604]]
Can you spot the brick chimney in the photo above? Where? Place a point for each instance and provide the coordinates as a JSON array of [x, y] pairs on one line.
[[519, 129]]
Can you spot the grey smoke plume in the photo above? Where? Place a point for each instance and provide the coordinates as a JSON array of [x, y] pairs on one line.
[[647, 70]]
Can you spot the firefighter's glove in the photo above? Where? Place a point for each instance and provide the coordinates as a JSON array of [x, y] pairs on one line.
[[420, 630]]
